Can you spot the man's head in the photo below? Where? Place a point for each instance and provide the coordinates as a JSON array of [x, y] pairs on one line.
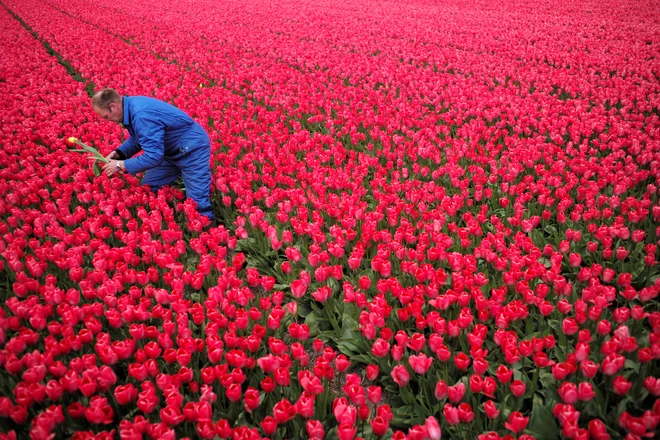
[[108, 104]]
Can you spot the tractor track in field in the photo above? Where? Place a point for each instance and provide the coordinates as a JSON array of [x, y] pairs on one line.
[[216, 82], [89, 85], [211, 82]]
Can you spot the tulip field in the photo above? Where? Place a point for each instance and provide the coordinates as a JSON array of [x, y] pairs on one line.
[[437, 219]]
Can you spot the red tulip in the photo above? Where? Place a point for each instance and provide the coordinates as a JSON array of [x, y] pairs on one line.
[[305, 405], [504, 374], [344, 412], [126, 394], [456, 392], [251, 399], [342, 363], [171, 415], [233, 392], [568, 392], [346, 431], [585, 391], [462, 361], [420, 364], [440, 390], [372, 372], [652, 384], [432, 429], [282, 377], [516, 422], [379, 426], [490, 385], [400, 375], [283, 411], [575, 259], [621, 385], [310, 383], [480, 365], [99, 411], [374, 394], [355, 394], [224, 430], [298, 288], [598, 430], [612, 364], [569, 326], [491, 410], [476, 384], [315, 429], [517, 388], [561, 370], [205, 429], [268, 424], [450, 415]]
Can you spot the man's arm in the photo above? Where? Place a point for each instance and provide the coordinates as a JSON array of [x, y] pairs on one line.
[[150, 133], [128, 149]]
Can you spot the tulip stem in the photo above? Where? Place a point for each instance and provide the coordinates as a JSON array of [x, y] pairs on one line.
[[607, 401], [535, 380], [462, 431]]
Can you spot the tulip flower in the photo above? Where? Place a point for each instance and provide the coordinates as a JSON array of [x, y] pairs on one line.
[[516, 422], [400, 375], [420, 364], [466, 200]]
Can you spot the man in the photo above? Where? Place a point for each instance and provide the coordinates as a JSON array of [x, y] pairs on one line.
[[174, 145]]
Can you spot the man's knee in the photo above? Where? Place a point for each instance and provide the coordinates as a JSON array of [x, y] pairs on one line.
[[206, 211], [162, 174]]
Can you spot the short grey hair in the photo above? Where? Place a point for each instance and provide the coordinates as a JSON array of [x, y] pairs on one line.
[[104, 97]]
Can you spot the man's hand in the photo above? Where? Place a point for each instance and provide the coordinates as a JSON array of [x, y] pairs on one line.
[[111, 167], [112, 155]]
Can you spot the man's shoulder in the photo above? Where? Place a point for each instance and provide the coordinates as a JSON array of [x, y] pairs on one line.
[[139, 102], [146, 104]]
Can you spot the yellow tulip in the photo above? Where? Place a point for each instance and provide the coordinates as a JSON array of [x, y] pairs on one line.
[[73, 140]]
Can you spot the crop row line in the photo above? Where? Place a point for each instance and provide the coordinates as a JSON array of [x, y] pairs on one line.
[[89, 85], [213, 82]]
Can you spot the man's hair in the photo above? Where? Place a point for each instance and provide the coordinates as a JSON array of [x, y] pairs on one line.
[[104, 97]]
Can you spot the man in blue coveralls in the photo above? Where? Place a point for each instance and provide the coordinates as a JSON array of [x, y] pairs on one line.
[[174, 145]]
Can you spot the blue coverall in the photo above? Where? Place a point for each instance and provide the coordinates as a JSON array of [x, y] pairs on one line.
[[173, 144]]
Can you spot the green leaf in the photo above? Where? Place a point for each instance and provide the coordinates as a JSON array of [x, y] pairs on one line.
[[637, 272], [537, 236], [406, 394], [542, 423], [550, 230], [349, 348], [631, 365], [242, 419], [561, 337], [92, 150], [310, 320], [349, 324], [362, 358], [401, 413], [303, 309], [622, 406], [96, 169], [332, 433]]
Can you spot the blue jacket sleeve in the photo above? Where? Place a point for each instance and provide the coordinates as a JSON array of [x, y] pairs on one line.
[[129, 148], [150, 133]]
